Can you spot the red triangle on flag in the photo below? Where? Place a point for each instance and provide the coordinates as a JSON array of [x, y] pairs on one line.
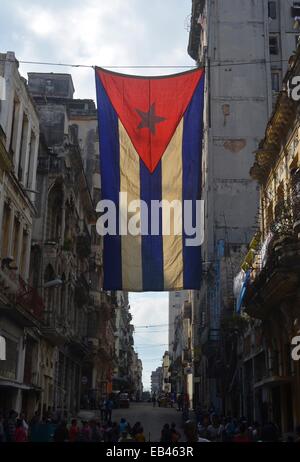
[[150, 108]]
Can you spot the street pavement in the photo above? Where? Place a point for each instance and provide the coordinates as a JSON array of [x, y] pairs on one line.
[[152, 418]]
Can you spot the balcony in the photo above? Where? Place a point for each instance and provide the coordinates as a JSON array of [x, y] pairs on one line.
[[276, 280], [29, 298], [54, 329], [83, 246], [78, 345], [24, 304]]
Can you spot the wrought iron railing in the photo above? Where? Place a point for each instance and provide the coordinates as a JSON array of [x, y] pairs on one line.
[[29, 298]]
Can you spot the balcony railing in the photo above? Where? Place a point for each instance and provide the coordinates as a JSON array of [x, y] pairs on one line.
[[29, 298]]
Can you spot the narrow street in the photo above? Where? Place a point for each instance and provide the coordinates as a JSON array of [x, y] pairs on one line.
[[152, 418]]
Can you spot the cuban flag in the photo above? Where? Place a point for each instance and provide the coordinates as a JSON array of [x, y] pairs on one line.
[[150, 136]]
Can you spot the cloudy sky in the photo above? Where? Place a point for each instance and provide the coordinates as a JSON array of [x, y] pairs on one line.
[[104, 33]]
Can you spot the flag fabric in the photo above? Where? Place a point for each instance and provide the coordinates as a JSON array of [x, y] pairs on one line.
[[150, 137]]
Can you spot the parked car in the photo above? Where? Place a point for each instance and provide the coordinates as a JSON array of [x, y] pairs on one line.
[[124, 400]]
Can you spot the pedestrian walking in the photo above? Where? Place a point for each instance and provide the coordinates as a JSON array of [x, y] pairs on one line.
[[191, 433], [95, 432], [242, 436], [10, 426], [216, 429], [61, 433], [20, 432], [123, 425], [180, 402], [103, 410], [74, 431], [175, 435], [154, 400], [139, 436], [135, 429], [115, 434], [108, 408], [2, 432], [165, 434], [85, 432]]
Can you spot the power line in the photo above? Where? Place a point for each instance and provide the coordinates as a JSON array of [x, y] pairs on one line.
[[151, 325], [146, 66]]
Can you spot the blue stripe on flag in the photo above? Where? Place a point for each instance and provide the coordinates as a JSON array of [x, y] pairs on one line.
[[110, 184], [191, 187], [152, 246]]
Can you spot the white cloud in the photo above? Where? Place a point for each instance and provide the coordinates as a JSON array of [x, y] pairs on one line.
[[150, 309], [104, 33]]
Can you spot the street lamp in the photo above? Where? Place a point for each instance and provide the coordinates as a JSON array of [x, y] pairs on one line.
[[54, 283]]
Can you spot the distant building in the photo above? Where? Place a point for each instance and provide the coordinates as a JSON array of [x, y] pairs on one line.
[[156, 381], [176, 301], [166, 375]]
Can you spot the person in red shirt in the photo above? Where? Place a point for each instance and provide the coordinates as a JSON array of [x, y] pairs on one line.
[[74, 431], [242, 436], [20, 434]]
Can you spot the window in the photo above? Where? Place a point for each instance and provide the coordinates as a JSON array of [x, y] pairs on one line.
[[8, 367], [5, 231], [269, 216], [14, 127], [30, 166], [24, 254], [275, 82], [273, 45], [16, 234], [272, 10], [296, 9], [23, 147]]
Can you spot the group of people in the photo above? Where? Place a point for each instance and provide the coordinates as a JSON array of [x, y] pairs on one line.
[[13, 428], [211, 427], [170, 400], [94, 431]]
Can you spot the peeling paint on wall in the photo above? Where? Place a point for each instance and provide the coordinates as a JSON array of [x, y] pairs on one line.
[[235, 145]]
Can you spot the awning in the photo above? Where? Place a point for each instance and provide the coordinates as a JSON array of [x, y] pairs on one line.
[[21, 386]]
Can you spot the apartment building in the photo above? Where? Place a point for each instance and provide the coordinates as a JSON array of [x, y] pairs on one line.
[[245, 47]]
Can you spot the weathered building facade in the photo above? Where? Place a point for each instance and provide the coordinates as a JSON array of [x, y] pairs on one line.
[[78, 326], [270, 376], [20, 384], [126, 360], [57, 325], [245, 47], [156, 381]]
